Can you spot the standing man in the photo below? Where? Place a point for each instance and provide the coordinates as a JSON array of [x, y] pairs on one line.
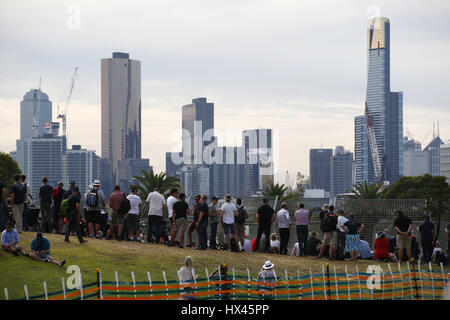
[[58, 195], [18, 198], [228, 212], [264, 217], [3, 208], [301, 217], [329, 223], [341, 234], [117, 218], [68, 192], [95, 201], [181, 211], [426, 230], [239, 221], [284, 227], [403, 225], [213, 222], [133, 215], [202, 224], [156, 203], [170, 202], [27, 202], [45, 194], [73, 215], [195, 214]]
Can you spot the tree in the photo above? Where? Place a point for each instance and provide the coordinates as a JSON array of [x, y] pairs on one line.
[[149, 181], [434, 189], [8, 168], [366, 191], [273, 190]]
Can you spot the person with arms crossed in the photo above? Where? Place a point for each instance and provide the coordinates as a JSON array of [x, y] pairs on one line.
[[264, 217]]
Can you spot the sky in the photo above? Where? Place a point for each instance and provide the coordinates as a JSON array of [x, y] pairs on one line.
[[298, 67]]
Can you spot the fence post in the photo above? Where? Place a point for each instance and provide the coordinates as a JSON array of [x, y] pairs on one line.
[[25, 287], [64, 287], [134, 282], [234, 284], [207, 277], [101, 285], [324, 283], [312, 284], [276, 283], [359, 283], [81, 289], [150, 283], [165, 280], [194, 277], [6, 294], [410, 280], [287, 283], [336, 282], [432, 280], [117, 283], [415, 280], [45, 290], [420, 279], [443, 278], [401, 276], [393, 282], [249, 285], [348, 282]]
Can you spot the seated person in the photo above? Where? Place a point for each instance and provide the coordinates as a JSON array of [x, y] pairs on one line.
[[382, 246], [295, 250], [247, 245], [313, 245], [365, 252], [274, 244], [10, 239], [262, 243], [40, 250], [438, 255]]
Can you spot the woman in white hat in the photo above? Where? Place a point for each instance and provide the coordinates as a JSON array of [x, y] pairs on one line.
[[267, 275]]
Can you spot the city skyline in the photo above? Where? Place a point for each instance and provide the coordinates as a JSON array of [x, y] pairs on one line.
[[312, 108]]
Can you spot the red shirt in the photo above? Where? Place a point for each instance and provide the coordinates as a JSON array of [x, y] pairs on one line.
[[253, 244], [381, 248], [115, 199]]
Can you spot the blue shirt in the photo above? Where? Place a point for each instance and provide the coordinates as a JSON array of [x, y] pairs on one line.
[[365, 250], [9, 237], [45, 244]]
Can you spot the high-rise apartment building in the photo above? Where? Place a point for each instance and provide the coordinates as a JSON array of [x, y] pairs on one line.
[[434, 156], [445, 161], [341, 171], [319, 168], [82, 166], [35, 105]]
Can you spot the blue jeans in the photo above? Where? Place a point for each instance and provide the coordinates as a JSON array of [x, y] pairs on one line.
[[154, 227], [302, 238], [203, 235], [212, 237]]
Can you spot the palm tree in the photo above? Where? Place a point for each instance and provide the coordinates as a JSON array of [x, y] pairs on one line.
[[273, 190], [366, 191], [149, 181]]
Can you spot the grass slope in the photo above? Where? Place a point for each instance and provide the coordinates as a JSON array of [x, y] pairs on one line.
[[124, 257]]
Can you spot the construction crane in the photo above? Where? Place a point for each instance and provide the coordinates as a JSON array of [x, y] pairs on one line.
[[36, 111], [63, 115], [373, 147]]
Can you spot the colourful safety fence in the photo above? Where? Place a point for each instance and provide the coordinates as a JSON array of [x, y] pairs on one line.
[[393, 285]]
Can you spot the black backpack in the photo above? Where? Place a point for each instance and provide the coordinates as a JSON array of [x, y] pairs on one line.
[[125, 206], [329, 222], [240, 218]]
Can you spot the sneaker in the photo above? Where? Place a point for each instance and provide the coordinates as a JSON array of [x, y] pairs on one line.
[[62, 263], [83, 241], [138, 239], [91, 236], [98, 236], [46, 260], [67, 241], [171, 244], [331, 259], [190, 245], [318, 257], [180, 246]]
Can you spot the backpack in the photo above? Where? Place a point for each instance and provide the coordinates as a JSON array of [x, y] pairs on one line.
[[92, 198], [125, 206], [64, 207], [329, 222], [240, 218]]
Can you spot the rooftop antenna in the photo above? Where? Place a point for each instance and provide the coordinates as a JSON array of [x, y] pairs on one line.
[[438, 128], [434, 131], [40, 80]]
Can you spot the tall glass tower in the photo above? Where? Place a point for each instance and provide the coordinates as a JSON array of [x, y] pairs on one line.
[[385, 109]]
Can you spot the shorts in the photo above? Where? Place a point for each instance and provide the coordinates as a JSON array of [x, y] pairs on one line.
[[330, 238], [132, 222], [180, 224], [93, 216], [45, 256], [403, 242], [228, 228], [117, 218]]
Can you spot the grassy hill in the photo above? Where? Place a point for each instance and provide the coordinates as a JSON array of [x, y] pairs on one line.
[[124, 257]]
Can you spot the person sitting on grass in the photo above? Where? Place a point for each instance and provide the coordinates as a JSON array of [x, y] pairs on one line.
[[40, 250], [10, 239], [274, 244], [381, 245]]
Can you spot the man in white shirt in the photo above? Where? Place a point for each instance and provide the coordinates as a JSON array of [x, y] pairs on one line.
[[284, 227], [133, 215], [156, 203], [341, 234], [227, 213], [170, 202]]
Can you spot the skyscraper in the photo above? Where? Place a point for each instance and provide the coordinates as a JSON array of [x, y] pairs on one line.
[[82, 166], [434, 156], [319, 168], [35, 103], [385, 108], [121, 109], [341, 171]]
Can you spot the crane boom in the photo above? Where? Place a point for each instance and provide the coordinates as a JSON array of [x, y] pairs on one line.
[[373, 147], [63, 115]]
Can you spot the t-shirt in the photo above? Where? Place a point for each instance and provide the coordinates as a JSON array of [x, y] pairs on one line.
[[157, 201], [72, 202], [179, 209], [228, 209], [265, 213], [365, 250], [170, 202], [185, 275], [213, 209], [275, 243], [381, 247], [115, 199], [247, 245], [45, 244], [45, 193], [301, 217], [19, 191], [135, 201], [283, 219], [426, 230], [311, 246], [203, 207], [100, 197], [402, 222], [352, 226], [9, 237], [340, 223], [58, 195]]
